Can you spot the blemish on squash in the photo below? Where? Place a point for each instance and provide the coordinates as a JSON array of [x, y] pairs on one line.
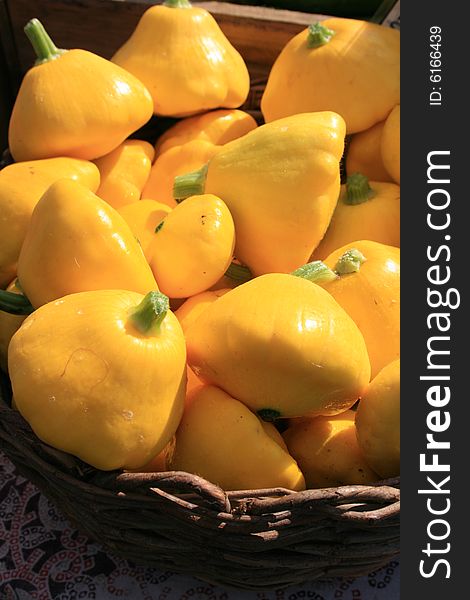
[[85, 365]]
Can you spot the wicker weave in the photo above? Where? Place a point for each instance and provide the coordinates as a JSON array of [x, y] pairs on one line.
[[255, 539]]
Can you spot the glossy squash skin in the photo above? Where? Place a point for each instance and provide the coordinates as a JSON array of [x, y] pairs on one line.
[[216, 126], [124, 172], [371, 297], [281, 345], [77, 242], [21, 187], [74, 103], [221, 440], [366, 210], [92, 380], [281, 183], [181, 55], [354, 70]]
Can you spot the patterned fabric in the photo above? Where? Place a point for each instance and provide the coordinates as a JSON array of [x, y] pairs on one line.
[[42, 557]]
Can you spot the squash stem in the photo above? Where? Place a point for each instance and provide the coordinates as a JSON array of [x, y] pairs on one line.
[[149, 314], [15, 304], [318, 35], [44, 47], [190, 184], [178, 3], [238, 273], [269, 414], [358, 189], [350, 262], [316, 272]]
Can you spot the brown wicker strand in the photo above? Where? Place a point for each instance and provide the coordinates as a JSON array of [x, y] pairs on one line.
[[247, 539]]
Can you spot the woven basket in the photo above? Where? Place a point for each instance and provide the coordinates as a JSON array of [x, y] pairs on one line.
[[252, 539]]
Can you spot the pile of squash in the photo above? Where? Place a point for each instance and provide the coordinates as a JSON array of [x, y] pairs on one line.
[[221, 302]]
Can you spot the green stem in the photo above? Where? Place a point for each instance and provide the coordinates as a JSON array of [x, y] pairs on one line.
[[149, 314], [350, 262], [316, 272], [358, 189], [238, 273], [15, 304], [269, 414], [177, 3], [190, 184], [44, 47], [318, 35]]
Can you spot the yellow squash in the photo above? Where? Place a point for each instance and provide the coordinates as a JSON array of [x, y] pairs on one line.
[[327, 451], [224, 283], [368, 288], [176, 161], [190, 310], [235, 275], [101, 375], [157, 464], [193, 382], [348, 66], [378, 421], [143, 217], [193, 246], [186, 314], [216, 126], [281, 345], [9, 324], [222, 441], [365, 211], [77, 242], [281, 183], [390, 144], [74, 103], [364, 154], [21, 186], [180, 53], [124, 172]]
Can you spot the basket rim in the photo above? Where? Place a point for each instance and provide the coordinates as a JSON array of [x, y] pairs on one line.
[[247, 539], [186, 487]]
